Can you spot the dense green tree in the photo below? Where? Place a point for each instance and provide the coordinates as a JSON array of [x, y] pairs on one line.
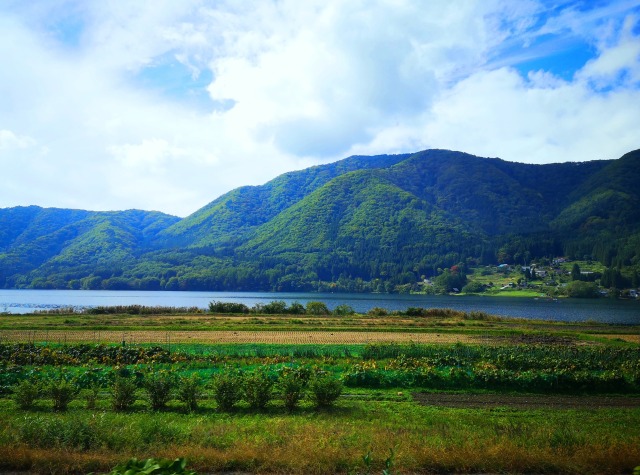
[[448, 281], [576, 274], [579, 289], [317, 308]]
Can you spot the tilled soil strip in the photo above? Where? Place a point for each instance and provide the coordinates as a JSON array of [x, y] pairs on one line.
[[212, 337], [525, 402]]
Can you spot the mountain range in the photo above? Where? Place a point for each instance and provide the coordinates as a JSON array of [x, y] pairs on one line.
[[359, 224]]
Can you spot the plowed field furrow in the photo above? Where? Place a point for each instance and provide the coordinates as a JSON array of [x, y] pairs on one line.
[[525, 402], [272, 337]]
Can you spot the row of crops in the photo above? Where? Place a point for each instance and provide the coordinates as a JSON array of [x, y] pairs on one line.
[[228, 388], [547, 368], [520, 357]]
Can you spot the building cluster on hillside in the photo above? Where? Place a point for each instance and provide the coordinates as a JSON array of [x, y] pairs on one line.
[[554, 274]]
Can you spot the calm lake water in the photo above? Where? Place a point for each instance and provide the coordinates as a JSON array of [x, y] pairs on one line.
[[602, 310]]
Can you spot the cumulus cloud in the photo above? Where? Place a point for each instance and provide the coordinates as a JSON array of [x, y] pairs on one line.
[[94, 114]]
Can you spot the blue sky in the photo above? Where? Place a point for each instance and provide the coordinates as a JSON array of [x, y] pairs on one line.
[[166, 105]]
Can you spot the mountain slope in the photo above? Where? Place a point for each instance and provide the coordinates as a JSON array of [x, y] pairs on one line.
[[226, 220], [361, 224], [52, 240], [492, 195]]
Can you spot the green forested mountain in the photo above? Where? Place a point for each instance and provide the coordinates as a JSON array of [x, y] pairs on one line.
[[227, 220], [361, 224], [56, 247]]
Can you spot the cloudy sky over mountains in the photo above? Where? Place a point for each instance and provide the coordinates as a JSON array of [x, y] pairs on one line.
[[165, 105]]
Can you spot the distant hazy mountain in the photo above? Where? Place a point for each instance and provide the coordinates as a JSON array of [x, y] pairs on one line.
[[363, 223]]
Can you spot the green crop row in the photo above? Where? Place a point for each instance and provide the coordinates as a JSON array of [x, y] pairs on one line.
[[228, 388], [515, 358], [456, 378]]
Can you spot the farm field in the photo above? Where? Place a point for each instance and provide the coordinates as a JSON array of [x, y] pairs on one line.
[[459, 394]]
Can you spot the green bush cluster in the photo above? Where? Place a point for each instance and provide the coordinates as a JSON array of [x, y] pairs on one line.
[[258, 388], [279, 307], [458, 378], [228, 388]]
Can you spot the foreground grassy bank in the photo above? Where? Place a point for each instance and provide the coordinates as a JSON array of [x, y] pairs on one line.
[[380, 417], [421, 438]]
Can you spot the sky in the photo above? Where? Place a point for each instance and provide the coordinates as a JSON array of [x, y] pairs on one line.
[[166, 105]]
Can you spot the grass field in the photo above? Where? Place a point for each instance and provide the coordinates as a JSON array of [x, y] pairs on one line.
[[424, 439], [443, 394]]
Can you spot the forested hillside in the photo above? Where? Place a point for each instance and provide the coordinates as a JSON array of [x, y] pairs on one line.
[[361, 224]]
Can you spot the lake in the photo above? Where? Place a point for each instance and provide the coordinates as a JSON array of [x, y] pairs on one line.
[[602, 310]]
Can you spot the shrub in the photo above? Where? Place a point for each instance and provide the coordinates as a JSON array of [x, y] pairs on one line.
[[378, 312], [325, 390], [227, 307], [227, 389], [62, 392], [317, 308], [124, 393], [415, 312], [258, 389], [91, 395], [277, 307], [291, 386], [159, 386], [473, 287], [25, 394], [344, 310], [296, 308], [189, 391]]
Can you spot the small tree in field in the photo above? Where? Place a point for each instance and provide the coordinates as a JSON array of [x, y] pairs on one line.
[[227, 389], [61, 392], [124, 393], [325, 390], [25, 394], [190, 391], [317, 308], [159, 386], [344, 310], [258, 389], [291, 387]]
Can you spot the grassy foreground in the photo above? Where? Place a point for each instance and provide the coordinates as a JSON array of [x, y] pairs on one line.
[[417, 438], [369, 429]]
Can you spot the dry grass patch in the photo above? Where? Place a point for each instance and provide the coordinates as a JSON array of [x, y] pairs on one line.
[[628, 338], [209, 337], [316, 453]]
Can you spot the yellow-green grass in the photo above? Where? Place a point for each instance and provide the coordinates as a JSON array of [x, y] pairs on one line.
[[517, 293], [423, 438]]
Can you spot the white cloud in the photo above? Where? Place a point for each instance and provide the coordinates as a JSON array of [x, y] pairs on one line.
[[11, 141], [296, 83], [618, 64], [500, 114]]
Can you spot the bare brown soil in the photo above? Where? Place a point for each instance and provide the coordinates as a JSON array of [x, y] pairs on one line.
[[525, 402]]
